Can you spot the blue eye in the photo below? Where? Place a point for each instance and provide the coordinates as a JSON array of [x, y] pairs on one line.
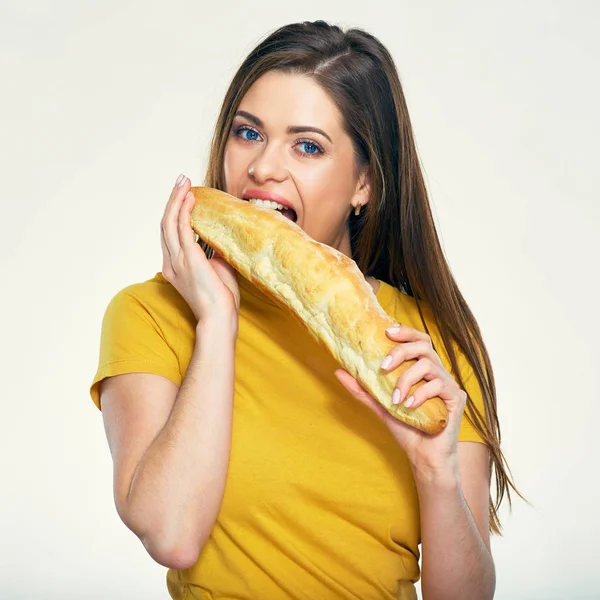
[[252, 135], [310, 148], [248, 134]]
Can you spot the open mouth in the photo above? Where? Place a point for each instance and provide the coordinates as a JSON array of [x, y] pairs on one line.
[[288, 213]]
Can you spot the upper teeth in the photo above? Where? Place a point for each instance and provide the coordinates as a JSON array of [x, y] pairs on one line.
[[267, 203]]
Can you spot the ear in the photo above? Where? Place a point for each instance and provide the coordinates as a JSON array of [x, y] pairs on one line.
[[362, 193]]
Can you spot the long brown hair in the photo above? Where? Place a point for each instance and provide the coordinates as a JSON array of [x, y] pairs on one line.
[[394, 237]]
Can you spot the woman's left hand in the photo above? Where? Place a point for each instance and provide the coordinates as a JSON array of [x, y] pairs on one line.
[[427, 453]]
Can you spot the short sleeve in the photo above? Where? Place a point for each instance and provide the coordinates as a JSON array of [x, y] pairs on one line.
[[132, 341], [468, 433]]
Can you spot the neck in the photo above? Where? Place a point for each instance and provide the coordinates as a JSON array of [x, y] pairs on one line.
[[344, 246]]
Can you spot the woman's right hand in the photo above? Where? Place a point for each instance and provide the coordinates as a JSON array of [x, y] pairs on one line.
[[208, 286]]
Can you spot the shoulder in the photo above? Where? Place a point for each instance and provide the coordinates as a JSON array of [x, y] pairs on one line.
[[154, 297], [154, 290], [420, 315], [145, 316], [405, 309], [140, 333]]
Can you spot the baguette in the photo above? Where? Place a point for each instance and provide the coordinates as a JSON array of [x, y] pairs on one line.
[[321, 286]]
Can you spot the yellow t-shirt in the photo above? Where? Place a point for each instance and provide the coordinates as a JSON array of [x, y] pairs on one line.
[[320, 502]]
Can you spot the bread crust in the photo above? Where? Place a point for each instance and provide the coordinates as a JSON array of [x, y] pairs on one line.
[[320, 286]]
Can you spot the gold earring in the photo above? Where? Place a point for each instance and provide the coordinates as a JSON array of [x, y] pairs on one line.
[[357, 209]]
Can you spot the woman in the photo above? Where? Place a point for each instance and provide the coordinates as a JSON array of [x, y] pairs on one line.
[[282, 477]]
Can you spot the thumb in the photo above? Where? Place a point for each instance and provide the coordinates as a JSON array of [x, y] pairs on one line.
[[359, 392], [222, 268]]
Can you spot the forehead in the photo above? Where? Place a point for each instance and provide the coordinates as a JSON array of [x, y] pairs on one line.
[[282, 99]]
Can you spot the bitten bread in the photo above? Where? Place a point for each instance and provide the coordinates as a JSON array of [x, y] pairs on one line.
[[322, 287]]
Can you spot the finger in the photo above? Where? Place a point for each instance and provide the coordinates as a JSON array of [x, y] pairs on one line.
[[406, 333], [170, 218], [225, 272], [352, 385], [359, 392], [165, 250], [184, 225], [406, 351], [179, 185], [423, 369], [431, 389], [454, 397]]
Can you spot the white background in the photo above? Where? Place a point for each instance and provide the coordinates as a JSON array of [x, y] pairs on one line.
[[105, 103]]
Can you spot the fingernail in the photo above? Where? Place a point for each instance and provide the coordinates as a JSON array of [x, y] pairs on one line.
[[393, 330], [396, 396], [180, 180], [387, 361], [409, 402], [189, 195]]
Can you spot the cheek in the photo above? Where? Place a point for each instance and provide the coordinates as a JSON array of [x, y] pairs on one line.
[[235, 157], [328, 183], [236, 161], [231, 167]]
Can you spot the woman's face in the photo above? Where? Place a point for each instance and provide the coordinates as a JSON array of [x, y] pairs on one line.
[[274, 147]]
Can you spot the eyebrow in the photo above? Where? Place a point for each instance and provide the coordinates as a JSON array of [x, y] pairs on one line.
[[290, 129]]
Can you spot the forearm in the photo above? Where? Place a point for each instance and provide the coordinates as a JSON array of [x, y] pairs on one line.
[[456, 563], [178, 485]]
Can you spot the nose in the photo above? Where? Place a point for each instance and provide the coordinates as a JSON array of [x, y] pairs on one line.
[[268, 164]]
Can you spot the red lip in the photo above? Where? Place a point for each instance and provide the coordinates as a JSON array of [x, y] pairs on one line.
[[260, 195]]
